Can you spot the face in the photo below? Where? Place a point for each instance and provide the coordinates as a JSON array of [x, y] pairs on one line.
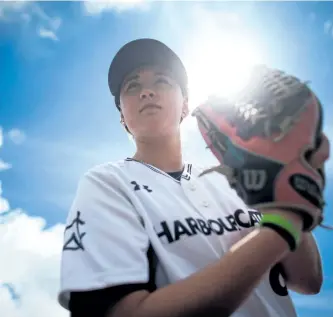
[[152, 103]]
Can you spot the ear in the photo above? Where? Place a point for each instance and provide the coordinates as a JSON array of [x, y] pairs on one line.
[[185, 109], [122, 121]]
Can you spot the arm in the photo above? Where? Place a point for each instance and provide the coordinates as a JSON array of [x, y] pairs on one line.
[[304, 268], [217, 290], [105, 246]]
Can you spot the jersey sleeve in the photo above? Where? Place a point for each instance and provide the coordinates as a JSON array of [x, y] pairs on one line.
[[105, 243]]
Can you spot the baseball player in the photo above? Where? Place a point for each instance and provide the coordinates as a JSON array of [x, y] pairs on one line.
[[155, 236]]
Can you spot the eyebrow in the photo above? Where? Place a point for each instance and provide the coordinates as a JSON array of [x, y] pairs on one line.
[[161, 74]]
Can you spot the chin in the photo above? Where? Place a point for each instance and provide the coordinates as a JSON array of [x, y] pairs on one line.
[[156, 126]]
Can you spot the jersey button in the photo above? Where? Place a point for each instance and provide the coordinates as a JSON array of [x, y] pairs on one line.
[[192, 186], [205, 203]]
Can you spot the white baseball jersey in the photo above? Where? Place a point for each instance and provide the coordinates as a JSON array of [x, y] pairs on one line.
[[122, 210]]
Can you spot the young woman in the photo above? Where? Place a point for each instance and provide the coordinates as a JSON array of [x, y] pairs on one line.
[[146, 236]]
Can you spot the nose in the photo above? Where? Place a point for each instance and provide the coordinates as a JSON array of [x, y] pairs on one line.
[[147, 93]]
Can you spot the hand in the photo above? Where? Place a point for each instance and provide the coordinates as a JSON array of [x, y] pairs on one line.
[[269, 142], [316, 160]]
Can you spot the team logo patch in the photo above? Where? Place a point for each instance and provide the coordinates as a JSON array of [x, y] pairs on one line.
[[74, 241], [172, 231]]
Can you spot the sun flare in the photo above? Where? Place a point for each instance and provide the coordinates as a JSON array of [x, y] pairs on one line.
[[219, 65]]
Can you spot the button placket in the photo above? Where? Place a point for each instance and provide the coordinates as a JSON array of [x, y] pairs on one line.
[[196, 196]]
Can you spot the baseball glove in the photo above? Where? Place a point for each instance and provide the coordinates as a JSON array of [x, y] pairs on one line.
[[268, 139]]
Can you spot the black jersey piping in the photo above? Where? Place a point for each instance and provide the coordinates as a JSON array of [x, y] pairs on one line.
[[186, 176], [152, 262]]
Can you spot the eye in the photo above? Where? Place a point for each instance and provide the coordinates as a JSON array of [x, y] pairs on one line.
[[132, 85]]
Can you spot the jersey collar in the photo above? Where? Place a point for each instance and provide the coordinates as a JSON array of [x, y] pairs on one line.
[[186, 172]]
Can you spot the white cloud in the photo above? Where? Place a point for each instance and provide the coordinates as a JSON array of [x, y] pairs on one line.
[[31, 266], [48, 25], [53, 23], [48, 34], [4, 166], [4, 205], [17, 136], [26, 11], [10, 8], [97, 7]]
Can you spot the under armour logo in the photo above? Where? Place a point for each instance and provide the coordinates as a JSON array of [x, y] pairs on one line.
[[74, 242], [254, 179], [138, 187]]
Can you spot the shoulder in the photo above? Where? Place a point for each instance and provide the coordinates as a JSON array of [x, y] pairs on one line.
[[104, 175], [105, 170], [102, 187]]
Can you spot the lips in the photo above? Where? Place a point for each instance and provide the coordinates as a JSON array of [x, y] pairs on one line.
[[150, 105]]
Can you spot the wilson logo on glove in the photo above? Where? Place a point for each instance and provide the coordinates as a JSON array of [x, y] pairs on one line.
[[254, 179]]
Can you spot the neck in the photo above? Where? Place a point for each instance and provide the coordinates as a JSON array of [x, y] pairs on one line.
[[163, 152]]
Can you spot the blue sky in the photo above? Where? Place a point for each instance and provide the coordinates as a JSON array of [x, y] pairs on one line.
[[58, 119]]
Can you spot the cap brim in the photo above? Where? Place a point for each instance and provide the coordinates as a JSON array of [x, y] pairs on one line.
[[140, 53]]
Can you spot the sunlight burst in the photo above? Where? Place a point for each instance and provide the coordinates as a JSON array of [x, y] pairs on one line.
[[219, 65]]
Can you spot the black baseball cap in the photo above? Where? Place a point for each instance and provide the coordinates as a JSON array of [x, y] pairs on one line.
[[142, 52]]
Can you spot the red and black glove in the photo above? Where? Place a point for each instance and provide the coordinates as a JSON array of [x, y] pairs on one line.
[[269, 141]]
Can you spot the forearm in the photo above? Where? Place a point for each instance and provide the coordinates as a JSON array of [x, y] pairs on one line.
[[303, 267], [219, 289]]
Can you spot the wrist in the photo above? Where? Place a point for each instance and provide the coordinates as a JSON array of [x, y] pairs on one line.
[[277, 242], [294, 218], [286, 227]]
